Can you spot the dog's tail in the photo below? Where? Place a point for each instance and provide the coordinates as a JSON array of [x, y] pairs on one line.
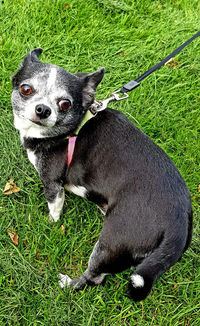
[[140, 286], [152, 266]]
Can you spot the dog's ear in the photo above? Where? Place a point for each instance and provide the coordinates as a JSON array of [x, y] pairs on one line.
[[90, 83], [30, 58], [92, 79]]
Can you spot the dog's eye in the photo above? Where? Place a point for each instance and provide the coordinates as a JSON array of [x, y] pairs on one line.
[[64, 104], [26, 90]]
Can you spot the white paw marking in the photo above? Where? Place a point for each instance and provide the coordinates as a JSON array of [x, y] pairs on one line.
[[55, 208], [77, 190], [63, 280], [137, 281]]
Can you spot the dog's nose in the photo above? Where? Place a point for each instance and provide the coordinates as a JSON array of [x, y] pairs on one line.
[[42, 111]]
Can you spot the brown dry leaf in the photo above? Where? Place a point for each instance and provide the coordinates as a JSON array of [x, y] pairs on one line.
[[13, 236], [163, 134], [63, 229], [122, 53], [11, 188], [175, 286], [171, 63], [67, 6]]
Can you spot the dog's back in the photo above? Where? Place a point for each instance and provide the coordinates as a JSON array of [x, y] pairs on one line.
[[148, 206]]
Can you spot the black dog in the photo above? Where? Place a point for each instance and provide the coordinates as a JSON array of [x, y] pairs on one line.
[[147, 205]]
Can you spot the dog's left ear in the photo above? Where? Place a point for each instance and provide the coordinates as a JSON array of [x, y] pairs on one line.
[[30, 58], [90, 83], [93, 79]]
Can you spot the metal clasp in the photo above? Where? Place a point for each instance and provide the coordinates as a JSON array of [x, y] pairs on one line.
[[102, 105], [118, 97]]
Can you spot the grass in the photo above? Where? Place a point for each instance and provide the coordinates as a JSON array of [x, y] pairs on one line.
[[126, 37]]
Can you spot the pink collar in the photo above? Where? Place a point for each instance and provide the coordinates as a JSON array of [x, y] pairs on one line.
[[70, 149], [72, 140]]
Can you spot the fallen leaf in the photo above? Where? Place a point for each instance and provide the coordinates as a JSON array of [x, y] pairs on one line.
[[67, 6], [175, 286], [171, 63], [13, 236], [10, 188], [122, 53], [163, 134], [199, 188], [63, 229]]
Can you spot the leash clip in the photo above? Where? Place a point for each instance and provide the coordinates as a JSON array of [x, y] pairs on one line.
[[118, 97], [102, 105]]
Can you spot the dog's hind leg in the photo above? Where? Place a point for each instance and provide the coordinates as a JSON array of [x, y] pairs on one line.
[[93, 275]]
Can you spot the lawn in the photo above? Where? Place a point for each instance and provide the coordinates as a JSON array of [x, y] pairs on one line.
[[126, 37]]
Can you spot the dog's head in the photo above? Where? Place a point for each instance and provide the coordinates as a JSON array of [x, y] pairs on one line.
[[47, 100]]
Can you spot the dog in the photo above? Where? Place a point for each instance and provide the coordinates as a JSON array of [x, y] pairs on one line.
[[146, 203]]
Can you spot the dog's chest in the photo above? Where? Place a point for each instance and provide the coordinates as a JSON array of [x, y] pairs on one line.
[[76, 189], [46, 167], [32, 157]]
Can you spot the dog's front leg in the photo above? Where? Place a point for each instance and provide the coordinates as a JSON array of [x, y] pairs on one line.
[[55, 196]]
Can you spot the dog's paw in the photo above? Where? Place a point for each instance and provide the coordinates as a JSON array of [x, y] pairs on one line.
[[76, 284], [64, 280], [53, 219]]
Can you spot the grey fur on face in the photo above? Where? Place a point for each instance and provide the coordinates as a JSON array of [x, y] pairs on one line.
[[50, 84]]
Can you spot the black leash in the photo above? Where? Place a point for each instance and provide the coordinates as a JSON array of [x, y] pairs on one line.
[[102, 105], [135, 83]]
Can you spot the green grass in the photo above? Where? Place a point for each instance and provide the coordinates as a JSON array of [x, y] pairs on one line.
[[126, 37]]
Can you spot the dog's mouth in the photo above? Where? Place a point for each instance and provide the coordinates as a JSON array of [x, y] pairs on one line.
[[42, 123], [39, 123]]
